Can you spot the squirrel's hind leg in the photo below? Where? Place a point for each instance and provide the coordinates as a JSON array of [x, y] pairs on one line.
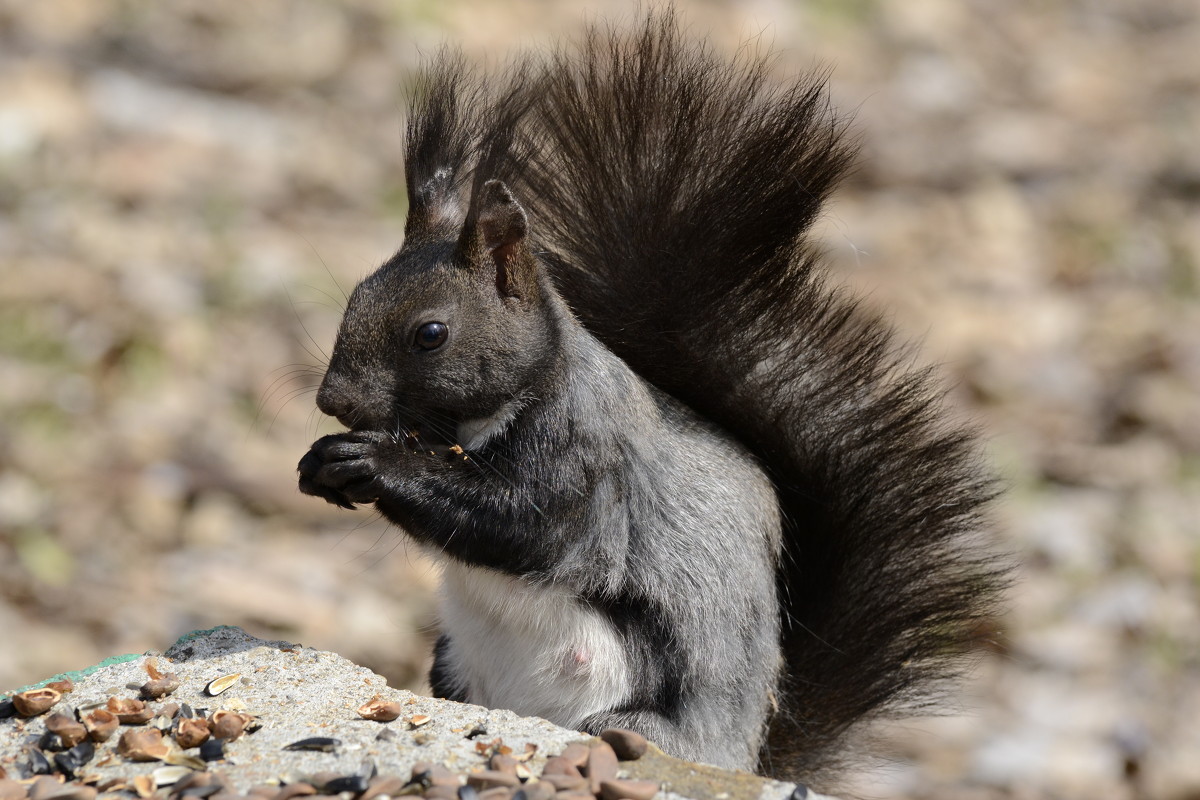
[[442, 680]]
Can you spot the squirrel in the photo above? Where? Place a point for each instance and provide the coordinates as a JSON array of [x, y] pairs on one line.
[[677, 482]]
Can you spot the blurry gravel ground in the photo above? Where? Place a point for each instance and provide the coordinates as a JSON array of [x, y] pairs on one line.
[[188, 188]]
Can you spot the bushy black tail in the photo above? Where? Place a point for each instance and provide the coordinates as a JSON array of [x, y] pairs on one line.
[[672, 190]]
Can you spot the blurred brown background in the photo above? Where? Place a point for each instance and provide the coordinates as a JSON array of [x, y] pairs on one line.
[[188, 188]]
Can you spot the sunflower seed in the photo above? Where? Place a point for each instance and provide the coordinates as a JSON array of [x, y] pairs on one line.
[[322, 744], [73, 760], [169, 776], [38, 763], [212, 750], [51, 742], [215, 687], [178, 758], [355, 784]]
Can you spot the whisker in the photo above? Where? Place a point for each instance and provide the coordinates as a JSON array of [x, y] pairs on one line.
[[328, 271], [324, 356], [293, 395]]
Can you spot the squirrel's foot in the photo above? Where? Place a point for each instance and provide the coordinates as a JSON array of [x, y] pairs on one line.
[[345, 468]]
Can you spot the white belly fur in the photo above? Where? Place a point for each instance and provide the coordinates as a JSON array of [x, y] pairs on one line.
[[532, 649]]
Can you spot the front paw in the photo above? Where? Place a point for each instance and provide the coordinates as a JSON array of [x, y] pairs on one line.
[[344, 468]]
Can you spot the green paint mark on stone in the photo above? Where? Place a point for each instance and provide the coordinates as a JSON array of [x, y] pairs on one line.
[[80, 673], [108, 662]]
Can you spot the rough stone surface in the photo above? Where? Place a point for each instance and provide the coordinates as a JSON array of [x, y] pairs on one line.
[[300, 693]]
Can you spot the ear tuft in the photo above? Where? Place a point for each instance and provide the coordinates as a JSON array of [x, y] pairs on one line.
[[433, 205]]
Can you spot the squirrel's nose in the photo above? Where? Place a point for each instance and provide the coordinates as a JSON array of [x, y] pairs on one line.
[[332, 402]]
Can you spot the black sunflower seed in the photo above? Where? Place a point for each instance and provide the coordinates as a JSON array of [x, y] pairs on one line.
[[355, 784], [322, 744], [213, 750], [38, 763]]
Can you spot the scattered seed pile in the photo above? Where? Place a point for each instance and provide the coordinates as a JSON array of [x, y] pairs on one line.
[[226, 715]]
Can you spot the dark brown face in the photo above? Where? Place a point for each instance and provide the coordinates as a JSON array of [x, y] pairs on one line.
[[432, 339]]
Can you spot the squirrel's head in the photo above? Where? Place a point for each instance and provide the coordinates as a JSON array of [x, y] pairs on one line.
[[453, 327]]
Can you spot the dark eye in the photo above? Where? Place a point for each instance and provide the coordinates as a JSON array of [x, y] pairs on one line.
[[432, 335]]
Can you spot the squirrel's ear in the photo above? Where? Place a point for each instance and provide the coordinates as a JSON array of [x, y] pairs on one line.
[[433, 204], [501, 229]]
